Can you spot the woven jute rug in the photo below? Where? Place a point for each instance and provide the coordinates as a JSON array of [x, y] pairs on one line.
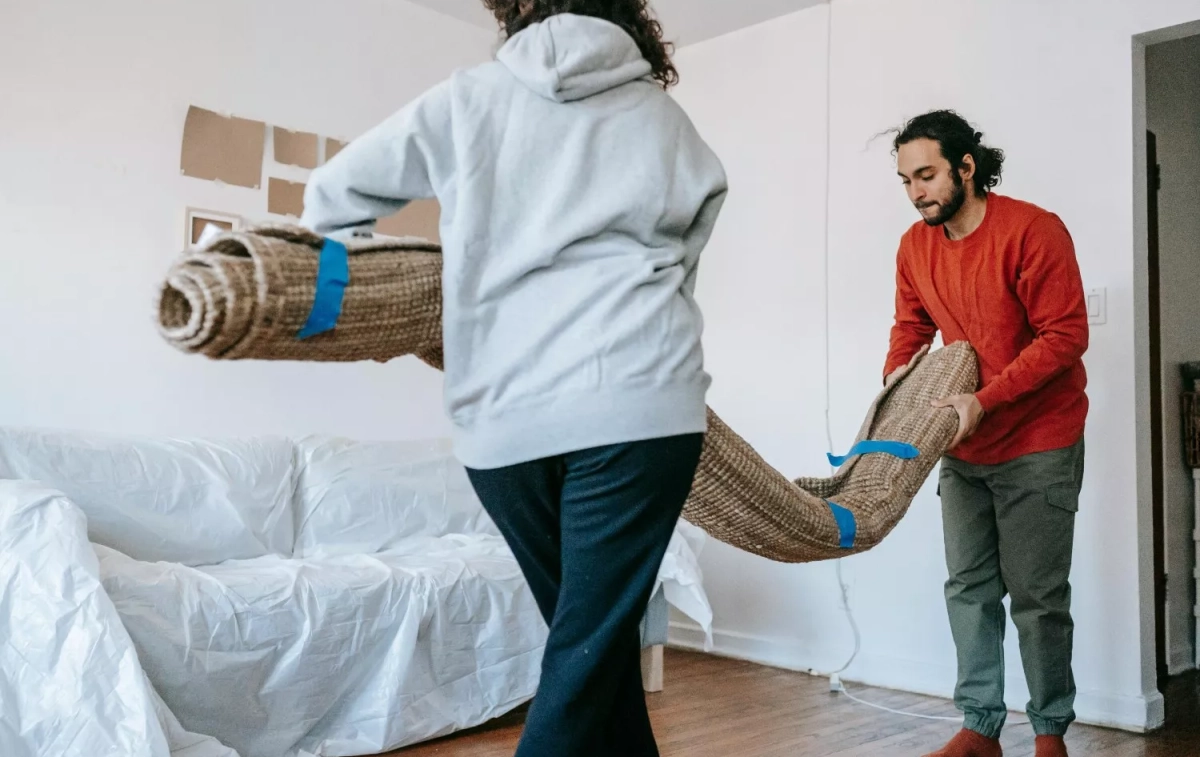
[[740, 499], [247, 295]]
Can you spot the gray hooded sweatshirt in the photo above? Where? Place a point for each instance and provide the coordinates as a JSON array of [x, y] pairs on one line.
[[576, 198]]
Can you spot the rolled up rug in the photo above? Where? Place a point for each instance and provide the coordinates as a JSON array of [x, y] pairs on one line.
[[253, 295], [739, 499], [284, 293]]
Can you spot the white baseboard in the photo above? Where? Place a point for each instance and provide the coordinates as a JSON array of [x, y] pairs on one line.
[[1138, 714], [740, 646]]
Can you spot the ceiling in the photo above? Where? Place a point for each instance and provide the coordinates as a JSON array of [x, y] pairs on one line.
[[685, 21]]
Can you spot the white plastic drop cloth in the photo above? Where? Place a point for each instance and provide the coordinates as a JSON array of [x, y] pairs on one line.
[[285, 598], [72, 683]]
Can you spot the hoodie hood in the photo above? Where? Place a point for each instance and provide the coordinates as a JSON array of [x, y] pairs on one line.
[[569, 57]]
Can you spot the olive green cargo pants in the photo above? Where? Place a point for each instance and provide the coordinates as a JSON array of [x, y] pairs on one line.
[[1009, 529]]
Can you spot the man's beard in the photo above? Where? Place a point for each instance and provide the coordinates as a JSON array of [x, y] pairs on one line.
[[950, 208]]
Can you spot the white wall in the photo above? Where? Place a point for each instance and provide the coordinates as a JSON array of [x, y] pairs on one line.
[[761, 284], [1173, 114], [1053, 85], [92, 104]]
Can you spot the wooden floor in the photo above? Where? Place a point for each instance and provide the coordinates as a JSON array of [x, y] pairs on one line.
[[714, 707]]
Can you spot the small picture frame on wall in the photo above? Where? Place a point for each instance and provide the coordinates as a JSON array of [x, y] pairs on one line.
[[201, 225]]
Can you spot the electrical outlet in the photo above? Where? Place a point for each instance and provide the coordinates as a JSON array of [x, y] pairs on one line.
[[1097, 306]]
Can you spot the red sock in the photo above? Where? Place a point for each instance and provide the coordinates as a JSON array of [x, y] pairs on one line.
[[971, 744], [1051, 746]]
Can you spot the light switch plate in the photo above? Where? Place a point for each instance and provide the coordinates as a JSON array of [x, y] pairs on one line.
[[1097, 306]]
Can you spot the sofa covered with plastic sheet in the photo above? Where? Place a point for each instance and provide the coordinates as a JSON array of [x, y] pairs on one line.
[[282, 597]]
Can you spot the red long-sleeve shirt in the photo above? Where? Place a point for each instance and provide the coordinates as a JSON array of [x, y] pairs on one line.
[[1012, 289]]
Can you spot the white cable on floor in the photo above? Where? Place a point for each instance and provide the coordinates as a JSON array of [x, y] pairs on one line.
[[957, 719]]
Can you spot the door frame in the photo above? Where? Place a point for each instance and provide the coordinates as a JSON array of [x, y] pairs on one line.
[[1150, 567], [1154, 323]]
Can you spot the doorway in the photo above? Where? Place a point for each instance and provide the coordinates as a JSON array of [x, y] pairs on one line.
[[1167, 195]]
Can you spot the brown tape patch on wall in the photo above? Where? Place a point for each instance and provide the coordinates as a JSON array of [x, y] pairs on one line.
[[223, 148], [332, 148], [285, 198], [295, 148]]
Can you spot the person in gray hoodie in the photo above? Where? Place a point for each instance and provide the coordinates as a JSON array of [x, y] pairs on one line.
[[576, 199]]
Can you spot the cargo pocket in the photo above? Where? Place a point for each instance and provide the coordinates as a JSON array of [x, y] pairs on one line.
[[1064, 497]]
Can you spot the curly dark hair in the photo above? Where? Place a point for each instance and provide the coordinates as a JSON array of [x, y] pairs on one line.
[[634, 16], [957, 139]]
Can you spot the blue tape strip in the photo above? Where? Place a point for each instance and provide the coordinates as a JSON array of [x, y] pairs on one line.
[[333, 276], [847, 526], [895, 449]]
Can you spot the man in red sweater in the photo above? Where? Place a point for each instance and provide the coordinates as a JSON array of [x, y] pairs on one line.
[[1002, 275]]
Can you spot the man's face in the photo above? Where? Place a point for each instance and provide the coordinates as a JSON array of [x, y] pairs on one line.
[[935, 189]]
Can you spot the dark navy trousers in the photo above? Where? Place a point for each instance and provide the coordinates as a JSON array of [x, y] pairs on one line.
[[589, 530]]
